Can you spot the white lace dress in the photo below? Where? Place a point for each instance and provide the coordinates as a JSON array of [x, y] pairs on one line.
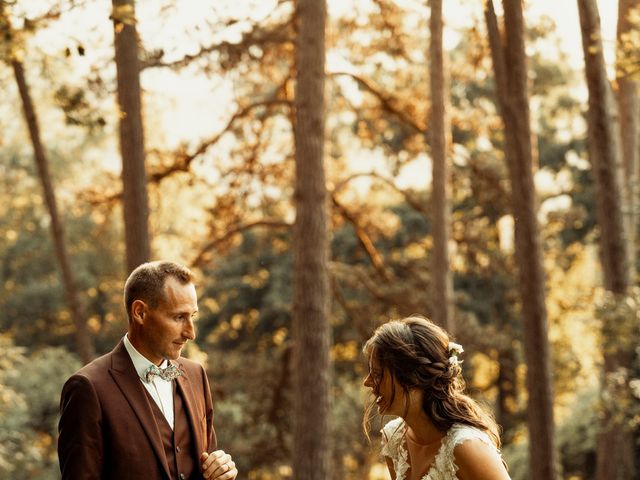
[[444, 466]]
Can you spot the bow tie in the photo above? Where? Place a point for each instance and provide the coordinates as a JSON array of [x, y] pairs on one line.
[[167, 374]]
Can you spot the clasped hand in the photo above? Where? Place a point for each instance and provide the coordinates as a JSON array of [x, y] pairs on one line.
[[217, 465]]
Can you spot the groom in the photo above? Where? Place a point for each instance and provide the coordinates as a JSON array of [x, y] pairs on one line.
[[141, 411]]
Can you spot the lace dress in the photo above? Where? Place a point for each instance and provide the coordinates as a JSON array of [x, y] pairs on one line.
[[444, 466]]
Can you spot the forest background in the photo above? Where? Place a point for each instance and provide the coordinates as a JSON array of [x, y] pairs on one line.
[[545, 306]]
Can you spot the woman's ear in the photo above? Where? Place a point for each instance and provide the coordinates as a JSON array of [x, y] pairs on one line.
[[138, 311]]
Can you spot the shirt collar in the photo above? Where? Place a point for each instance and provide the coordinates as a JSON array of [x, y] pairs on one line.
[[140, 362]]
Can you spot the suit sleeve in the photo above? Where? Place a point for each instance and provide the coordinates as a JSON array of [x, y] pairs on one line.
[[212, 441], [80, 443]]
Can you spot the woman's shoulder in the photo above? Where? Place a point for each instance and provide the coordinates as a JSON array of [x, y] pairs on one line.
[[392, 427], [460, 433], [392, 435], [475, 455]]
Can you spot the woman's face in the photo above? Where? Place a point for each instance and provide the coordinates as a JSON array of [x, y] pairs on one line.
[[388, 392]]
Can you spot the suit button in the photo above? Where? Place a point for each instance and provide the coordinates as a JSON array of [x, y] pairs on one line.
[[182, 476], [178, 449]]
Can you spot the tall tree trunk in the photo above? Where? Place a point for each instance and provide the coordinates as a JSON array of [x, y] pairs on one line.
[[513, 104], [134, 178], [440, 141], [629, 109], [615, 458], [84, 344], [507, 392], [311, 332]]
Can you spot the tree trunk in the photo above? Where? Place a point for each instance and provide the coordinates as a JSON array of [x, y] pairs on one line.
[[507, 393], [440, 142], [604, 152], [615, 458], [84, 344], [629, 109], [311, 332], [513, 104], [134, 178]]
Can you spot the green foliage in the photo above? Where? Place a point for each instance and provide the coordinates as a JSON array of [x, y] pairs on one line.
[[244, 285], [252, 408], [30, 388], [619, 318], [575, 441], [576, 437], [32, 304], [517, 457]]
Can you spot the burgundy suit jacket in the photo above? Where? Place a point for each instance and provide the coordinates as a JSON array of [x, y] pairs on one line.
[[107, 429]]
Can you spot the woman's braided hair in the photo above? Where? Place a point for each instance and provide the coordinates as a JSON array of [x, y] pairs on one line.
[[416, 353]]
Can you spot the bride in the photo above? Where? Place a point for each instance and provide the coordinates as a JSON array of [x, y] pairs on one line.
[[440, 433]]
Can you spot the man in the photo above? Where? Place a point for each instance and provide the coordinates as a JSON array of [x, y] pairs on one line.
[[141, 412]]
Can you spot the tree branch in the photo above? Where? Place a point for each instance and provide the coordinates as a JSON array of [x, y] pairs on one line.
[[278, 34], [184, 160], [364, 279], [410, 199], [201, 257], [364, 239], [387, 102]]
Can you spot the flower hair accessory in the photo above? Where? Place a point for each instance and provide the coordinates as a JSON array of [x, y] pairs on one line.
[[455, 349]]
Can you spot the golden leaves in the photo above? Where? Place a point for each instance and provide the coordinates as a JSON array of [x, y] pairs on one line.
[[123, 15], [348, 351]]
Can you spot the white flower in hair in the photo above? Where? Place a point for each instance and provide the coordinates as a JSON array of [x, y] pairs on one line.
[[455, 349]]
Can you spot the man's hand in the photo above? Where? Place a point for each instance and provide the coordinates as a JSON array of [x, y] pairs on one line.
[[217, 465]]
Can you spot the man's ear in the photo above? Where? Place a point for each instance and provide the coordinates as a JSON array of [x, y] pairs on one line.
[[138, 311]]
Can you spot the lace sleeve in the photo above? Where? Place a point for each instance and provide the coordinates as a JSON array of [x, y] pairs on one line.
[[459, 435], [393, 448], [391, 436]]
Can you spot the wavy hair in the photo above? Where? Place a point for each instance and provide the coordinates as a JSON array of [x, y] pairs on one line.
[[415, 352]]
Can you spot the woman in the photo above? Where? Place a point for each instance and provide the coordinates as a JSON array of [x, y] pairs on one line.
[[441, 434]]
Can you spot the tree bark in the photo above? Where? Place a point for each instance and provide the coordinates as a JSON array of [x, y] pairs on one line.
[[134, 177], [84, 344], [311, 332], [615, 455], [507, 392], [440, 143], [604, 151], [629, 109], [513, 104]]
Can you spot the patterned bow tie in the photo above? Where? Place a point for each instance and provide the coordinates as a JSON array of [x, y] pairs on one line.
[[167, 374]]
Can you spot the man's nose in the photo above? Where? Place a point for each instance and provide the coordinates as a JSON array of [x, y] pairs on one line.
[[189, 331]]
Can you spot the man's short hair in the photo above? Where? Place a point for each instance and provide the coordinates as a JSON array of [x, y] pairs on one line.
[[146, 282]]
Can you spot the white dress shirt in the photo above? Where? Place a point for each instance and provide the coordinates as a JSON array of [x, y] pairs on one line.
[[160, 390]]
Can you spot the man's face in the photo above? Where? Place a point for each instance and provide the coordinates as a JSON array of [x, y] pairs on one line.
[[167, 327]]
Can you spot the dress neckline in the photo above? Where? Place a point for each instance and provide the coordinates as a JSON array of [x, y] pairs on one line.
[[404, 446], [443, 466]]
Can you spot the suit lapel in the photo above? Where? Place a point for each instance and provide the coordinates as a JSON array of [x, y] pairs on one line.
[[189, 399], [127, 379]]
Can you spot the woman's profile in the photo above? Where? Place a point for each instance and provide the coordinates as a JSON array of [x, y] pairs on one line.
[[440, 433]]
